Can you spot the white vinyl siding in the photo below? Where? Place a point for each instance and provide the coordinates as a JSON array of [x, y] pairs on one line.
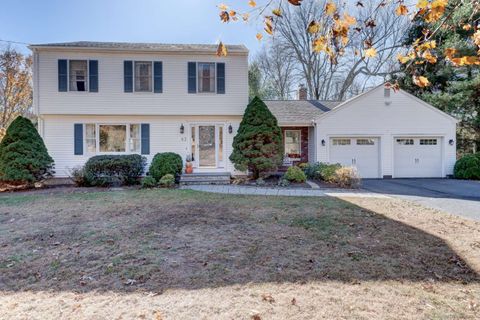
[[112, 100], [401, 118], [58, 134]]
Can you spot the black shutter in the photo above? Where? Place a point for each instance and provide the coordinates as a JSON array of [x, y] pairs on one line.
[[145, 134], [78, 138], [62, 75], [93, 75], [192, 77], [128, 76], [221, 78], [157, 77]]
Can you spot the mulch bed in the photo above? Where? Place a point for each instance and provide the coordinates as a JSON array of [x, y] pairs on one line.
[[272, 182]]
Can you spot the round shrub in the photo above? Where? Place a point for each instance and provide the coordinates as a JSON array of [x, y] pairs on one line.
[[468, 167], [23, 155], [295, 174], [149, 182], [327, 171], [109, 170], [347, 177], [167, 181], [166, 163]]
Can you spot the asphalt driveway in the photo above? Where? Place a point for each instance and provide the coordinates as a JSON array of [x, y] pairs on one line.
[[458, 197]]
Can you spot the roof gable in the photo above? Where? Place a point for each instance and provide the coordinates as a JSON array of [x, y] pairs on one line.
[[365, 95]]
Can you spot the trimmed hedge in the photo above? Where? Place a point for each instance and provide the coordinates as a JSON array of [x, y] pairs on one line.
[[468, 167], [107, 170], [166, 163], [167, 181]]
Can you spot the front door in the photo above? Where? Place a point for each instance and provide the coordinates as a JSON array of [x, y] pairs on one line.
[[207, 145]]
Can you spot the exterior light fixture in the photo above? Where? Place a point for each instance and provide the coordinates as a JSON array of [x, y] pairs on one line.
[[323, 142], [230, 129], [450, 142], [182, 129]]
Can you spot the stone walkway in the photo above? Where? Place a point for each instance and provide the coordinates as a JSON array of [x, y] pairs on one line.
[[264, 191]]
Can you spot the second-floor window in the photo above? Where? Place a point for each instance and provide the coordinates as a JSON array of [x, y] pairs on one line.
[[206, 77], [143, 76], [78, 75]]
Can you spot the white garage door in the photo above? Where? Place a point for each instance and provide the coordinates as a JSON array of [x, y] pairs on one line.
[[360, 152], [417, 157]]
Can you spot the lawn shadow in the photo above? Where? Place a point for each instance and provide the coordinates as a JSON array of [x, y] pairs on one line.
[[196, 240]]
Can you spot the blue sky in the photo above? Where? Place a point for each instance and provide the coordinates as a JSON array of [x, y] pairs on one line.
[[177, 21]]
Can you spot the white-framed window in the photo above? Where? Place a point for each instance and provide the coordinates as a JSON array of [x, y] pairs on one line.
[[113, 138], [293, 143], [365, 142], [406, 142], [428, 142], [91, 137], [135, 138], [143, 76], [341, 142], [78, 75], [206, 77]]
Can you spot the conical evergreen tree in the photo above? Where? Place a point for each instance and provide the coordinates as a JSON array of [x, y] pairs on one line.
[[258, 145], [23, 155]]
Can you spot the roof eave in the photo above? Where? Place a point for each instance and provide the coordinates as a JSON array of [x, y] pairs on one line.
[[143, 50]]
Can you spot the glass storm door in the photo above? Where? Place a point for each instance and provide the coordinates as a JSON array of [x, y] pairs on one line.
[[207, 146]]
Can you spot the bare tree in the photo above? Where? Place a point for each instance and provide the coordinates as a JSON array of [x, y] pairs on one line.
[[15, 86], [327, 79], [277, 66]]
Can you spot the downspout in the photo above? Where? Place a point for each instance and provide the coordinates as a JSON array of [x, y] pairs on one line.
[[36, 92]]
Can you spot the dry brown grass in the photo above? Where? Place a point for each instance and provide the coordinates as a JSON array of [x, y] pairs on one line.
[[170, 254]]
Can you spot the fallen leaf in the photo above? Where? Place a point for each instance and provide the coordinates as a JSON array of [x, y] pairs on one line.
[[268, 298], [259, 36], [277, 12], [252, 3], [294, 302]]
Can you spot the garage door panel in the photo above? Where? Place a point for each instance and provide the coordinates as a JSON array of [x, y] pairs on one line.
[[416, 157], [359, 152]]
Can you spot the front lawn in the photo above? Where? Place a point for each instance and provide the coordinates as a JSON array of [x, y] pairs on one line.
[[179, 254]]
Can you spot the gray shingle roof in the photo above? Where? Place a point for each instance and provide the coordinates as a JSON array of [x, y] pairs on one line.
[[142, 46], [299, 111]]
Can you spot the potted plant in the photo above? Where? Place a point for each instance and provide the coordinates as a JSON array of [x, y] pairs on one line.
[[189, 165]]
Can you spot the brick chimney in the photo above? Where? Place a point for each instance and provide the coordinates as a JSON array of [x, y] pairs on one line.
[[302, 92]]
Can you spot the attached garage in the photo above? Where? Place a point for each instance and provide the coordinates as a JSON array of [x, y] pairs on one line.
[[360, 152], [417, 157], [387, 134]]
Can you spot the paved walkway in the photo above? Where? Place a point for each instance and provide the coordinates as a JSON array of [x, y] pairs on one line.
[[263, 191]]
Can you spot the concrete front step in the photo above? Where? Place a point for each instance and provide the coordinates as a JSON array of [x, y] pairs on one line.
[[205, 178]]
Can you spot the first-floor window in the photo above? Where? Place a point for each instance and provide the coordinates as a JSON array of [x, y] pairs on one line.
[[91, 137], [135, 138], [112, 138], [293, 143]]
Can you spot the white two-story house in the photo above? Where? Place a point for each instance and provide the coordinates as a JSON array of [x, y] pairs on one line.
[[96, 98], [118, 98]]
